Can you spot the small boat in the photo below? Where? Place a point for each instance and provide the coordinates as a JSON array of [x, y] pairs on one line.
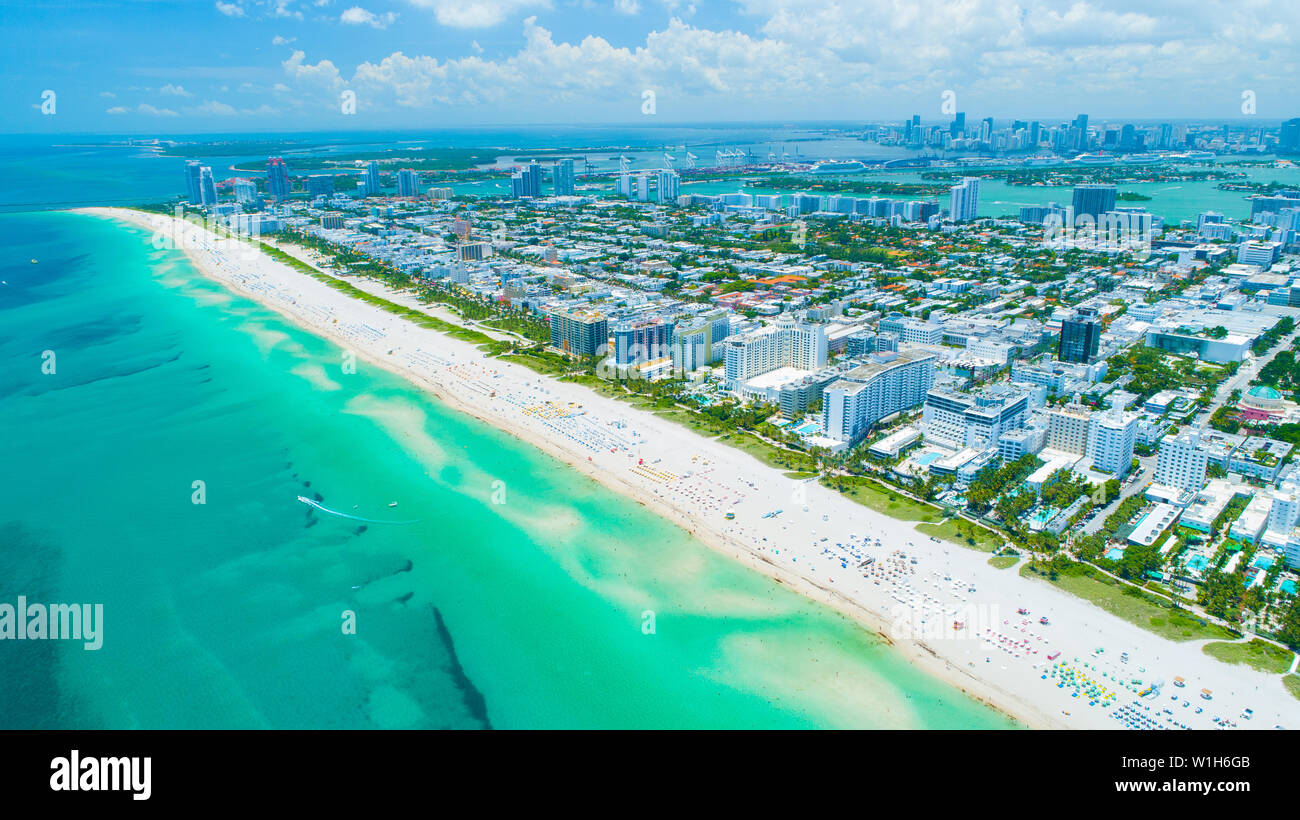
[[33, 261], [392, 503]]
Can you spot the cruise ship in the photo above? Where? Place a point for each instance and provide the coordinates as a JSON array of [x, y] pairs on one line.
[[1094, 159], [839, 167]]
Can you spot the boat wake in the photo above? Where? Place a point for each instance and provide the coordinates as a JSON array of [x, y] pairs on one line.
[[309, 502]]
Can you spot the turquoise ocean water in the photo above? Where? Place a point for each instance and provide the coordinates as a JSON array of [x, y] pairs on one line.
[[229, 613]]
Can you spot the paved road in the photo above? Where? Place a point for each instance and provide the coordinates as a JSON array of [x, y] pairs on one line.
[[1248, 370], [1145, 475]]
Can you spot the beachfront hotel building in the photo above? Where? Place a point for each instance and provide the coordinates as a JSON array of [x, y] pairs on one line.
[[642, 341], [786, 343], [697, 342], [885, 385], [193, 195], [579, 332], [1067, 428], [1111, 436], [1182, 462], [972, 420]]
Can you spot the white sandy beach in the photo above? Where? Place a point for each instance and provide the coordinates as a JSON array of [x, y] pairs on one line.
[[814, 545]]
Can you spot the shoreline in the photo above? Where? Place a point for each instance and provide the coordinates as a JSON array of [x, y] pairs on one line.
[[1022, 697]]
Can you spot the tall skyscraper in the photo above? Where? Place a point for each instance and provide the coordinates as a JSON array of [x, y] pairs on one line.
[[370, 181], [562, 173], [963, 201], [958, 127], [1080, 337], [277, 179], [1166, 138], [1093, 200], [207, 187], [193, 194], [1289, 137], [669, 185], [1081, 123], [408, 183], [527, 182]]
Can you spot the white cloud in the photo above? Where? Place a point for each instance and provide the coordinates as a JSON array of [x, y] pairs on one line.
[[107, 94], [872, 58], [477, 13], [117, 109], [627, 6], [283, 8], [277, 40], [170, 90], [145, 108], [214, 107], [357, 16], [230, 9]]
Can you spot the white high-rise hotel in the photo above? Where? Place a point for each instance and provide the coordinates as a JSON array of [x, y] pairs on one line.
[[1111, 436], [863, 396], [1182, 462], [784, 344]]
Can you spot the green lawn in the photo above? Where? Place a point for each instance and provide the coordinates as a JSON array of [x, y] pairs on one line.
[[1256, 654], [1150, 613], [1292, 684], [878, 497], [963, 533], [1004, 561]]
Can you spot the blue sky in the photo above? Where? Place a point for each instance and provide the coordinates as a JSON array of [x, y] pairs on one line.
[[149, 66]]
